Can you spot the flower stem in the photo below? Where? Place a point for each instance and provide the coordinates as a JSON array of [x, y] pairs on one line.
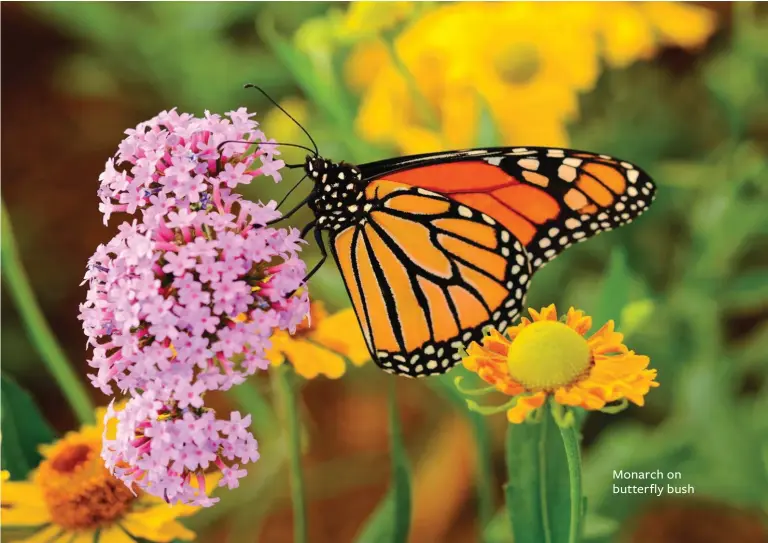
[[288, 398], [40, 333], [570, 435]]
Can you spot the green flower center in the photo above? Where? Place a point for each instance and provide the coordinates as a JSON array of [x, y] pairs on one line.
[[546, 355], [519, 63]]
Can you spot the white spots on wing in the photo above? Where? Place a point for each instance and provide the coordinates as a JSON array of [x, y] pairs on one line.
[[464, 211], [494, 160], [544, 243], [632, 175], [528, 163], [572, 161], [504, 236], [566, 173], [555, 153], [572, 223]]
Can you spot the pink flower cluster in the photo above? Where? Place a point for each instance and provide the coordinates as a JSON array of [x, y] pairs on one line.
[[184, 300], [162, 448]]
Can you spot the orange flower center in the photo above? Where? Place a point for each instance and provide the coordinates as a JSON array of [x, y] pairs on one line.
[[77, 489], [548, 354]]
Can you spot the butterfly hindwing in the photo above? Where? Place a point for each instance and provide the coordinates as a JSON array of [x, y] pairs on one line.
[[426, 274]]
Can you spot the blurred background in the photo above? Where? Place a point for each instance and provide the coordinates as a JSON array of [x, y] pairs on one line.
[[680, 89]]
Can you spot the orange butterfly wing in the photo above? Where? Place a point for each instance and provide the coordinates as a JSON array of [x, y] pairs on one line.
[[426, 274], [547, 198]]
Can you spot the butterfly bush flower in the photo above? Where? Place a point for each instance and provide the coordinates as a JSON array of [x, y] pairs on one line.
[[162, 448], [184, 301]]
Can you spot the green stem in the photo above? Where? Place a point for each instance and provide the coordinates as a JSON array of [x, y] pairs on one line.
[[570, 436], [286, 392], [40, 333], [543, 456]]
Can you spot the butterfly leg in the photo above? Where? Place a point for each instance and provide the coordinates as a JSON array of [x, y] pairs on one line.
[[291, 212], [320, 245]]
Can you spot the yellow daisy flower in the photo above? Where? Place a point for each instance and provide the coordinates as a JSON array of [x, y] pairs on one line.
[[72, 498], [526, 64], [322, 344], [545, 358]]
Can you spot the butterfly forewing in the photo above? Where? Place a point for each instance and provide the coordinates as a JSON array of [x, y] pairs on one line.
[[548, 198]]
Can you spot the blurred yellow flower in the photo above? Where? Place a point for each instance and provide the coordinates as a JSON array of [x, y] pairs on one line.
[[321, 345], [545, 357], [72, 498], [525, 62]]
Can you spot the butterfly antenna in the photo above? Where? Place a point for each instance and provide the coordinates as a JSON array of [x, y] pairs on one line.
[[278, 106], [263, 143]]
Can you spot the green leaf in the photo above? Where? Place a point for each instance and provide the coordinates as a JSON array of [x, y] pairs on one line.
[[391, 521], [537, 495], [23, 429], [615, 291]]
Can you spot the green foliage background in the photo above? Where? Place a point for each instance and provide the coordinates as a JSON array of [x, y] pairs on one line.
[[688, 283]]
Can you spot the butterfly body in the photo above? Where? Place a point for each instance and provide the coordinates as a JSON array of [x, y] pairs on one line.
[[433, 248]]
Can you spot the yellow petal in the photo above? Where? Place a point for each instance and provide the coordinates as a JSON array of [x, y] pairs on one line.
[[310, 360], [85, 536], [25, 515], [49, 534], [525, 404], [627, 35], [684, 25], [146, 527], [341, 333], [364, 63], [115, 534], [19, 493]]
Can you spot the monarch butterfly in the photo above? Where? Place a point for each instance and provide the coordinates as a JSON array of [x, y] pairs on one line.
[[434, 247]]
